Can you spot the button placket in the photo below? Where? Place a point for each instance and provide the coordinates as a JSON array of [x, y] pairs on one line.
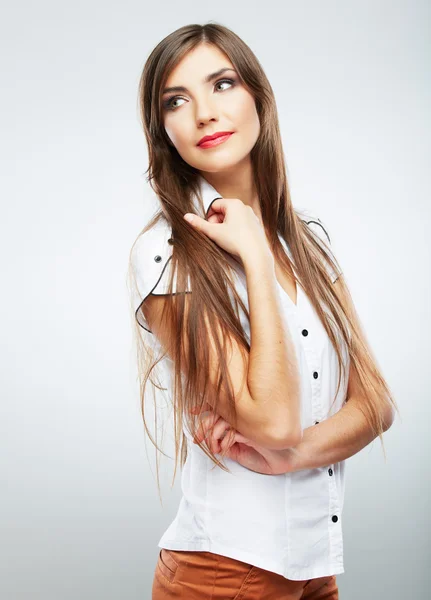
[[334, 515], [317, 412], [317, 392], [314, 365]]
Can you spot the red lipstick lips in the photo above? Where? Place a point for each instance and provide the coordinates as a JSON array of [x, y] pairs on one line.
[[214, 139]]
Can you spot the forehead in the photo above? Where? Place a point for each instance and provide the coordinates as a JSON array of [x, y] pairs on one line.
[[196, 64]]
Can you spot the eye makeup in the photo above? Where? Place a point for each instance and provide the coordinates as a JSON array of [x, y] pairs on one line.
[[167, 104]]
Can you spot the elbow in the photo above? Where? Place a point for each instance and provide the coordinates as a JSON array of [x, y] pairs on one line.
[[388, 418], [282, 439]]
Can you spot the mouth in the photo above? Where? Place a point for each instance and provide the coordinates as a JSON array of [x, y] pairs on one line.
[[215, 141]]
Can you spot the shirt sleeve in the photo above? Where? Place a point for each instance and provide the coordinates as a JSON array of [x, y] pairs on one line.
[[151, 260], [321, 230]]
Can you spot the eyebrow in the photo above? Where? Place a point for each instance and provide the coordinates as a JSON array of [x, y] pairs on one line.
[[207, 79]]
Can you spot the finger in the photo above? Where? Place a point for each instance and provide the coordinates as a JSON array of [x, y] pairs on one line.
[[216, 437], [242, 439], [204, 425], [228, 441], [198, 223], [218, 208], [213, 431], [214, 218]]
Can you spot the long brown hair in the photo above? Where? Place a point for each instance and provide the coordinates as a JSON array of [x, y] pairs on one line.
[[209, 308]]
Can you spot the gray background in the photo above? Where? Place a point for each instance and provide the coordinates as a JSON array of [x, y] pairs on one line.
[[80, 514]]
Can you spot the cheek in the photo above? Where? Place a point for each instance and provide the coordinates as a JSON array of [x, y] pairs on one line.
[[176, 129], [245, 116], [181, 137]]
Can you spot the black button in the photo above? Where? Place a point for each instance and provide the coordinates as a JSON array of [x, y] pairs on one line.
[[157, 258], [330, 471], [334, 519], [316, 423], [315, 374], [304, 332]]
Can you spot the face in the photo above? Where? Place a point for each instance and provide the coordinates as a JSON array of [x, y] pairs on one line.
[[207, 107]]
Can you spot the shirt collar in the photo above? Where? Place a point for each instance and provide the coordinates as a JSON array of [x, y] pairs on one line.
[[209, 193]]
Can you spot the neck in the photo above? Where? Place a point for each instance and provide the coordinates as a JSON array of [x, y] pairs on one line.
[[236, 183]]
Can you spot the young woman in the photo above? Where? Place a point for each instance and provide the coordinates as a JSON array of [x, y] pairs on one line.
[[273, 382]]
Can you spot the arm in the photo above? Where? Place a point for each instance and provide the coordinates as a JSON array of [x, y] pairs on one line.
[[336, 439], [333, 440], [273, 372], [265, 385], [341, 436]]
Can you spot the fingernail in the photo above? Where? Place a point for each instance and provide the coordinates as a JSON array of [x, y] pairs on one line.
[[188, 217]]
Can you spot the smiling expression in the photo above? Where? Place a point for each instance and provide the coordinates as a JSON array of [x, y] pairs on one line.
[[204, 95]]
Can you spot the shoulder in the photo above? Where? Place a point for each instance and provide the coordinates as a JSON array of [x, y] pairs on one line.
[[320, 229], [315, 223], [150, 262], [149, 258], [152, 249]]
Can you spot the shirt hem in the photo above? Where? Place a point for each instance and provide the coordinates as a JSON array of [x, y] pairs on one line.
[[252, 559]]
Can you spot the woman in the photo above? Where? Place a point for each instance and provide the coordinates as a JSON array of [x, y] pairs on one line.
[[249, 309]]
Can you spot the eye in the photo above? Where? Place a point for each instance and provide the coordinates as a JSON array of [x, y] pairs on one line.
[[168, 103], [230, 81]]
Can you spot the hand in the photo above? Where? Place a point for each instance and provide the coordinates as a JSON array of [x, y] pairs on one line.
[[233, 226], [229, 442]]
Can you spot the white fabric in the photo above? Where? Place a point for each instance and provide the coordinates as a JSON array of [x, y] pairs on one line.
[[290, 524]]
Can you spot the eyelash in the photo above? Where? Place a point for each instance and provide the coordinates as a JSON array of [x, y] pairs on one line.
[[167, 103]]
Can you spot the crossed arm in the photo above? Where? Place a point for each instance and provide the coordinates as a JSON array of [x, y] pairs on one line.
[[331, 441], [340, 436], [335, 439]]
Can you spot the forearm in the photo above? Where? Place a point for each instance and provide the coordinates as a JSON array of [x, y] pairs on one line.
[[331, 441], [273, 373]]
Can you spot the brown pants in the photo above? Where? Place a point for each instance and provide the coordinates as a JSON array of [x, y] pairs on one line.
[[198, 575]]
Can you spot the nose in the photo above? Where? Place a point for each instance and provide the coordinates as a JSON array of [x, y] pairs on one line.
[[205, 111]]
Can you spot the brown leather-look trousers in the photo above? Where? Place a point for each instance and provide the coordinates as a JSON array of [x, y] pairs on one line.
[[198, 575]]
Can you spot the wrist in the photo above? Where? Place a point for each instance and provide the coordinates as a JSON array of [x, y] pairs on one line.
[[259, 257], [300, 457]]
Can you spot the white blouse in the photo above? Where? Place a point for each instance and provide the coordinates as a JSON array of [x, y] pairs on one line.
[[290, 524]]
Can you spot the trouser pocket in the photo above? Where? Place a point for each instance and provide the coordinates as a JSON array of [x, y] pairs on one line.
[[167, 566], [201, 574]]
